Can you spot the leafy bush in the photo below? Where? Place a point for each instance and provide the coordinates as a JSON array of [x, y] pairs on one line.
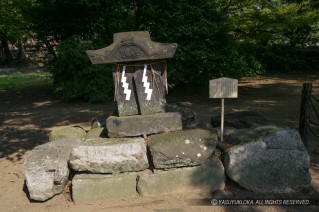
[[75, 78], [200, 32], [205, 49], [242, 61], [282, 58]]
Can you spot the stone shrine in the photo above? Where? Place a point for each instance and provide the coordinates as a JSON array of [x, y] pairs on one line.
[[140, 82], [139, 70]]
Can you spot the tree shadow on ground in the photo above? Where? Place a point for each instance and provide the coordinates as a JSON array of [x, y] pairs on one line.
[[28, 115]]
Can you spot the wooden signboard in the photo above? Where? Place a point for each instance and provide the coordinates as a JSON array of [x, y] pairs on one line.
[[223, 88]]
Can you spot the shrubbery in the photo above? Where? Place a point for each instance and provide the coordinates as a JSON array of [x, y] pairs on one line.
[[206, 47], [281, 58], [75, 78]]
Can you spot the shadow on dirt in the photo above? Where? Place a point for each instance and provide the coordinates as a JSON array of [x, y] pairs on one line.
[[27, 116]]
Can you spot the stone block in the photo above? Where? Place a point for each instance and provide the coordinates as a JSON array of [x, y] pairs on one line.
[[268, 159], [98, 122], [208, 177], [88, 188], [68, 132], [113, 155], [181, 149], [46, 169], [143, 124], [96, 133]]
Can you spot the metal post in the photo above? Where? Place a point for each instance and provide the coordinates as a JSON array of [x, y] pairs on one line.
[[305, 113], [222, 122]]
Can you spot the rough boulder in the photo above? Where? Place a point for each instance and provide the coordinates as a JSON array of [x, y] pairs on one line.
[[268, 159]]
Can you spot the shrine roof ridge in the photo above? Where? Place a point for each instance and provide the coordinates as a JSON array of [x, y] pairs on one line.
[[130, 47]]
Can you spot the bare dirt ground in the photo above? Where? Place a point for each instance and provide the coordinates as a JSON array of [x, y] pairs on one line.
[[28, 116]]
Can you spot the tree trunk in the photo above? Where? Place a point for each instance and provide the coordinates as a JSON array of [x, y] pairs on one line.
[[4, 43], [21, 55], [49, 46]]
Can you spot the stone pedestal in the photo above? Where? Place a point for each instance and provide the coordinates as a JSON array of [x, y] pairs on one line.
[[143, 124]]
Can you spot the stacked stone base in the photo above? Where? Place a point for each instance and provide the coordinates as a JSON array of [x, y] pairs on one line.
[[117, 168], [99, 187], [131, 156], [263, 159]]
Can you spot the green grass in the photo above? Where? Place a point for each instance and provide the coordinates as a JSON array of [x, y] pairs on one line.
[[24, 80]]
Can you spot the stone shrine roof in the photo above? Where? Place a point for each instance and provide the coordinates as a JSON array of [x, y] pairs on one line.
[[130, 47]]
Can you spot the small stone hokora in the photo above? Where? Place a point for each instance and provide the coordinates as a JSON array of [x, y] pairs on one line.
[[139, 70]]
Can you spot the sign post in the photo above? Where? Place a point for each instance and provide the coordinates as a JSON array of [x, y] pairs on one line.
[[222, 88]]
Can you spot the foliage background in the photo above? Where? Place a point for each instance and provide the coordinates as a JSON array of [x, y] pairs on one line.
[[215, 38]]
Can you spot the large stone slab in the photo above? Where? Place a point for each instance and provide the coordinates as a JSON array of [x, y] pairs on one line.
[[208, 177], [67, 132], [46, 169], [268, 159], [183, 148], [143, 124], [96, 187], [110, 155]]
